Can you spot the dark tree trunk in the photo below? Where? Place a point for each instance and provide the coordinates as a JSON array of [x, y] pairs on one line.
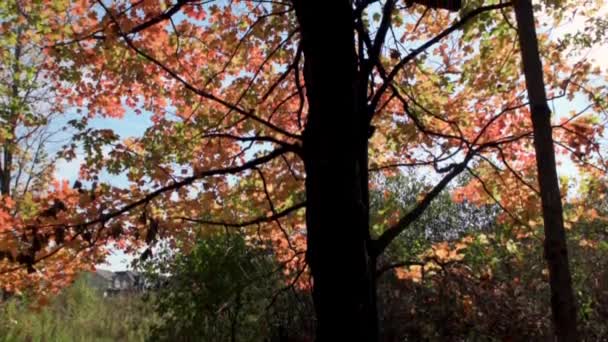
[[5, 176], [335, 158], [562, 298], [11, 119]]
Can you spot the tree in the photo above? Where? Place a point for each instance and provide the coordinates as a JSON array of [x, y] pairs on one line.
[[263, 108], [563, 304], [27, 107], [31, 133]]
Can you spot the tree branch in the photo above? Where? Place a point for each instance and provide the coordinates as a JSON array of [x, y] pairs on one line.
[[258, 220], [391, 233], [246, 113], [457, 25]]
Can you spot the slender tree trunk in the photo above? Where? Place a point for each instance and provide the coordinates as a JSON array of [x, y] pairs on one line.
[[5, 176], [11, 120], [335, 158], [562, 298]]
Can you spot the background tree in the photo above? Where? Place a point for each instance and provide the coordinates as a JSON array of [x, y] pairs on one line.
[[29, 104], [444, 220], [32, 131]]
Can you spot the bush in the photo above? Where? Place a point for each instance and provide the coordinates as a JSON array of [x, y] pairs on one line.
[[224, 289]]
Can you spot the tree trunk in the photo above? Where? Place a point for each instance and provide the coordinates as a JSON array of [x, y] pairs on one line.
[[11, 119], [5, 171], [335, 158], [6, 163], [562, 298]]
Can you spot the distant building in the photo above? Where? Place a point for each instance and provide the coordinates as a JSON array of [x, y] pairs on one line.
[[116, 283]]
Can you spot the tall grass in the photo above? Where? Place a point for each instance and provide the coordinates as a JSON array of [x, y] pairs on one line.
[[79, 313]]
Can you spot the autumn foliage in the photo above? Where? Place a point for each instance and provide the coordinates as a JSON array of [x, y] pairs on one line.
[[224, 86]]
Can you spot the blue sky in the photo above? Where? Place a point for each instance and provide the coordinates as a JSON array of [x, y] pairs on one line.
[[131, 125]]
